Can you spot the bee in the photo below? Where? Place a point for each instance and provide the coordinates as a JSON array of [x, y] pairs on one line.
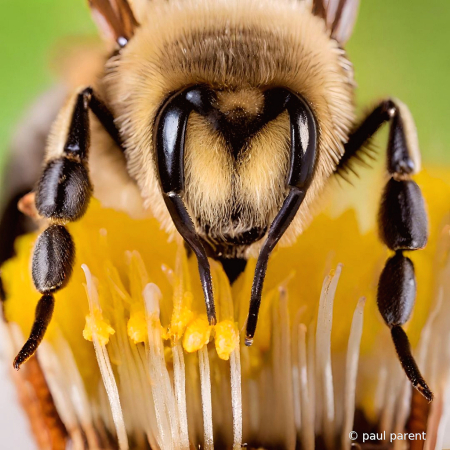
[[225, 119]]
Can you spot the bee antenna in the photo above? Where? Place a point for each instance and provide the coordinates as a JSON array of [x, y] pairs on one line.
[[170, 134], [301, 170], [170, 131]]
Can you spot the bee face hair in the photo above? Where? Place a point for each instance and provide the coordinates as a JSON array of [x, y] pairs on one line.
[[233, 190]]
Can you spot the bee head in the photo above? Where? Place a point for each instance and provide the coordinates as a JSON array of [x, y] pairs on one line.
[[238, 129], [237, 143]]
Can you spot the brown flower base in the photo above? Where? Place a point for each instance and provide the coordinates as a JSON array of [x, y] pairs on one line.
[[37, 402]]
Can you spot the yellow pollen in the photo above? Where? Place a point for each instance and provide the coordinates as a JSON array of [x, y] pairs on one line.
[[181, 317], [96, 324], [197, 334], [137, 327], [226, 338]]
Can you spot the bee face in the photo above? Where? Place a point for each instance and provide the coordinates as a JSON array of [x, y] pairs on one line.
[[235, 162], [232, 116]]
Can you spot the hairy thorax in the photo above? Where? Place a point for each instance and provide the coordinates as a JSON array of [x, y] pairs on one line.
[[236, 161]]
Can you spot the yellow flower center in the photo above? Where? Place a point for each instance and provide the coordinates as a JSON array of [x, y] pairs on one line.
[[144, 298]]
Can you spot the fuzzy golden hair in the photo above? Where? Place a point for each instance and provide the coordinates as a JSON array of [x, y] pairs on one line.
[[238, 49]]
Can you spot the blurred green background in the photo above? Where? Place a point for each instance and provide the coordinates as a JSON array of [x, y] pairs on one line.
[[399, 48]]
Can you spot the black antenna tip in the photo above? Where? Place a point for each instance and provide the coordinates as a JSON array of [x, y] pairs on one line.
[[212, 319]]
